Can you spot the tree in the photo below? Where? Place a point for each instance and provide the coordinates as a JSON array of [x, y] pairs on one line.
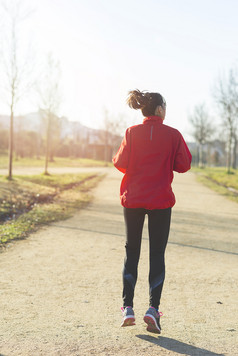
[[50, 98], [226, 96], [202, 128], [16, 67]]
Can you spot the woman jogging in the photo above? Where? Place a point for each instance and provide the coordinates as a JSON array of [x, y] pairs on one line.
[[148, 155]]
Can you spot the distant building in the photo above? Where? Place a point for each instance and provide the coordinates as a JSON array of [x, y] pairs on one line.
[[72, 139]]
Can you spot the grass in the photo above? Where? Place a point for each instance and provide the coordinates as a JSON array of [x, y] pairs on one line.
[[58, 162], [219, 180], [30, 202], [57, 181]]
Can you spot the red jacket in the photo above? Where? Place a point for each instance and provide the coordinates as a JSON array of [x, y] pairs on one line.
[[148, 155]]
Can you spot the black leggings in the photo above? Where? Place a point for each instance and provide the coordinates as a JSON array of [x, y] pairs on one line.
[[159, 224]]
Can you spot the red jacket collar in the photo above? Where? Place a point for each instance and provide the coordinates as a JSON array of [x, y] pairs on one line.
[[155, 118]]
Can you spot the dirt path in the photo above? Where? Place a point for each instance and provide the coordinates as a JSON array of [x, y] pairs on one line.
[[61, 288]]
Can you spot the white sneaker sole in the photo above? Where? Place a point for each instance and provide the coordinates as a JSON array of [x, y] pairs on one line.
[[152, 325], [128, 321]]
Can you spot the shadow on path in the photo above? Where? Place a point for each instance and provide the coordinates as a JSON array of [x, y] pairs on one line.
[[144, 238], [177, 346]]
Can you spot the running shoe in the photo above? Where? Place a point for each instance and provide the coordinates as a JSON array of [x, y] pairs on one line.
[[128, 316], [152, 319]]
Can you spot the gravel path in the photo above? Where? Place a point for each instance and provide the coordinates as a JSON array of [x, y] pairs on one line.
[[61, 288]]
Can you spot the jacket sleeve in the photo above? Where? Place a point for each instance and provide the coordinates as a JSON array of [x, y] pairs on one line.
[[121, 159], [183, 157]]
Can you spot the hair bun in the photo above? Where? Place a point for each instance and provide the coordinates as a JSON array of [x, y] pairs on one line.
[[145, 101], [137, 99]]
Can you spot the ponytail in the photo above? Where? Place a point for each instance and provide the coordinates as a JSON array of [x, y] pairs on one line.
[[137, 99], [145, 101]]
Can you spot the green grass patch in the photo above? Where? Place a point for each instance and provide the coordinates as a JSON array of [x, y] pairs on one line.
[[57, 181], [28, 203], [58, 162], [219, 180]]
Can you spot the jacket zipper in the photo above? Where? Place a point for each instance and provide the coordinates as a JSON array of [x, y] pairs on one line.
[[151, 132]]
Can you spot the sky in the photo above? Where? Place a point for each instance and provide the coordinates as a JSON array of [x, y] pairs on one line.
[[107, 47]]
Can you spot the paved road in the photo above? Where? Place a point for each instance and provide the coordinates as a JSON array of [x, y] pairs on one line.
[[61, 288]]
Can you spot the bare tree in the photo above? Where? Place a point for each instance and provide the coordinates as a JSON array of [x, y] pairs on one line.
[[50, 98], [202, 128], [226, 96], [16, 81]]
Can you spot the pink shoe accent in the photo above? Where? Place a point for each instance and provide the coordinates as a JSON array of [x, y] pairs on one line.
[[123, 308], [160, 313]]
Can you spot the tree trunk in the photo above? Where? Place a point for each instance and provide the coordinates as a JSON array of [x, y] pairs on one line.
[[200, 156], [10, 146], [229, 152], [208, 155], [197, 155], [47, 145], [234, 163]]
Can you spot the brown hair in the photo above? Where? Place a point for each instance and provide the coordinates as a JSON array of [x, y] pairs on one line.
[[145, 101]]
